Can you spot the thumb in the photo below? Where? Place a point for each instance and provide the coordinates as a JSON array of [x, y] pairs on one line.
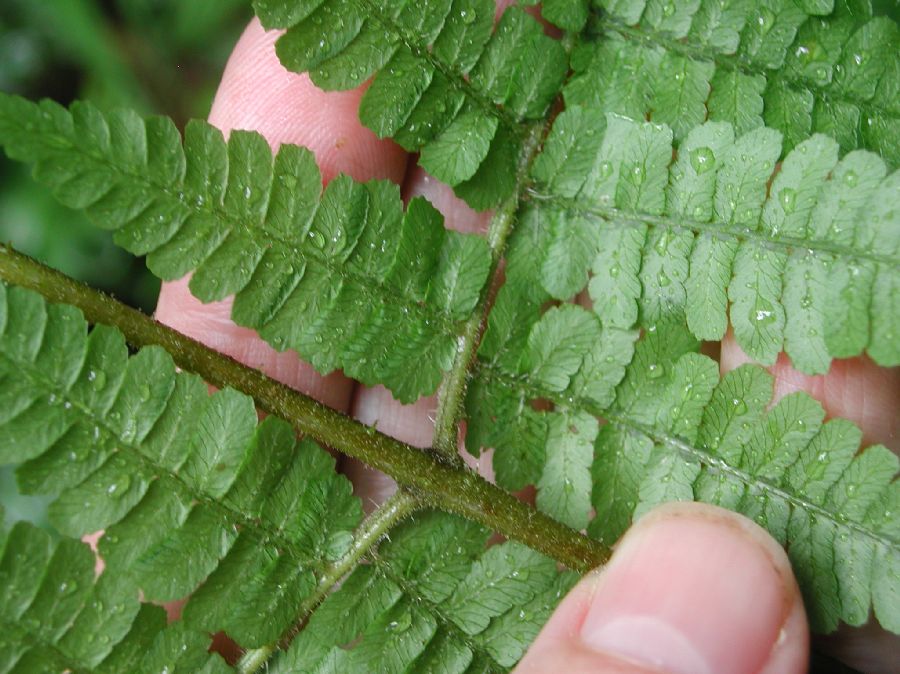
[[691, 589]]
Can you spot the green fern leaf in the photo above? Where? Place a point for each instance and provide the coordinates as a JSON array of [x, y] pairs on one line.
[[57, 617], [716, 163], [372, 283], [684, 238], [189, 488], [445, 84], [181, 649], [675, 432], [748, 63], [433, 599]]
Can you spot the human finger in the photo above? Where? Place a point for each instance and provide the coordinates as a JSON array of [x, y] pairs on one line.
[[690, 589]]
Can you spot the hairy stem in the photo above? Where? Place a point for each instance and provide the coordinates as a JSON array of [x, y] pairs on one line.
[[429, 478], [453, 388], [386, 516]]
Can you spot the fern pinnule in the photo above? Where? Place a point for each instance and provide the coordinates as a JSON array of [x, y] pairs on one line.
[[372, 283], [433, 598], [674, 431], [807, 264], [800, 68], [446, 84], [188, 486], [57, 616]]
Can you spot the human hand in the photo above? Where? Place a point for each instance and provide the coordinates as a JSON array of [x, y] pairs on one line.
[[690, 588]]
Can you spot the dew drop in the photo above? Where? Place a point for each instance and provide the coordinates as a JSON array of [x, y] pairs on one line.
[[638, 173], [702, 159], [655, 371], [118, 489], [762, 313], [68, 587], [662, 243], [765, 20], [788, 199], [97, 378]]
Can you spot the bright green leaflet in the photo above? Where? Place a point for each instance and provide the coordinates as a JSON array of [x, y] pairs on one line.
[[56, 616], [694, 233]]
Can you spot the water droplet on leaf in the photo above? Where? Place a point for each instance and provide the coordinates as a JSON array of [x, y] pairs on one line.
[[702, 159]]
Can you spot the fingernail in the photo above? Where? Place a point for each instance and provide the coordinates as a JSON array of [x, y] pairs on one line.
[[691, 591]]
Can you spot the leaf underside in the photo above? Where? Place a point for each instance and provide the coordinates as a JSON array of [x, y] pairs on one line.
[[704, 165]]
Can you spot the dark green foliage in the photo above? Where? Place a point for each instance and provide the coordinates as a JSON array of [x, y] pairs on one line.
[[189, 487], [445, 85], [372, 283], [56, 616]]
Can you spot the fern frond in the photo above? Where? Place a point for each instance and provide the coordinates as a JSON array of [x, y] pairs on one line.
[[809, 263], [748, 63], [153, 646], [446, 84], [53, 613], [433, 599], [56, 616], [373, 285], [675, 432], [189, 488]]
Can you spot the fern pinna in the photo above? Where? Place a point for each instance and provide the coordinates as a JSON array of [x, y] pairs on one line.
[[662, 171]]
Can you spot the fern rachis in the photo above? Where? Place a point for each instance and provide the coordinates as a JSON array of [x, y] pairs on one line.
[[750, 197]]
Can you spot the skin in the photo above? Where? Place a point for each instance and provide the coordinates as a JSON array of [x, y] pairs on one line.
[[691, 588]]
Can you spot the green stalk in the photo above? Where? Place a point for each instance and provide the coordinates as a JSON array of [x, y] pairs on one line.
[[452, 392], [431, 480], [388, 514]]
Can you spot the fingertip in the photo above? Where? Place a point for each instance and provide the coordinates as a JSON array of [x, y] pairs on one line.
[[412, 424], [258, 93], [691, 589]]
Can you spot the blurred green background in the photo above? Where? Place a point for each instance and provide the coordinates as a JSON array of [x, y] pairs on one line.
[[157, 56]]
